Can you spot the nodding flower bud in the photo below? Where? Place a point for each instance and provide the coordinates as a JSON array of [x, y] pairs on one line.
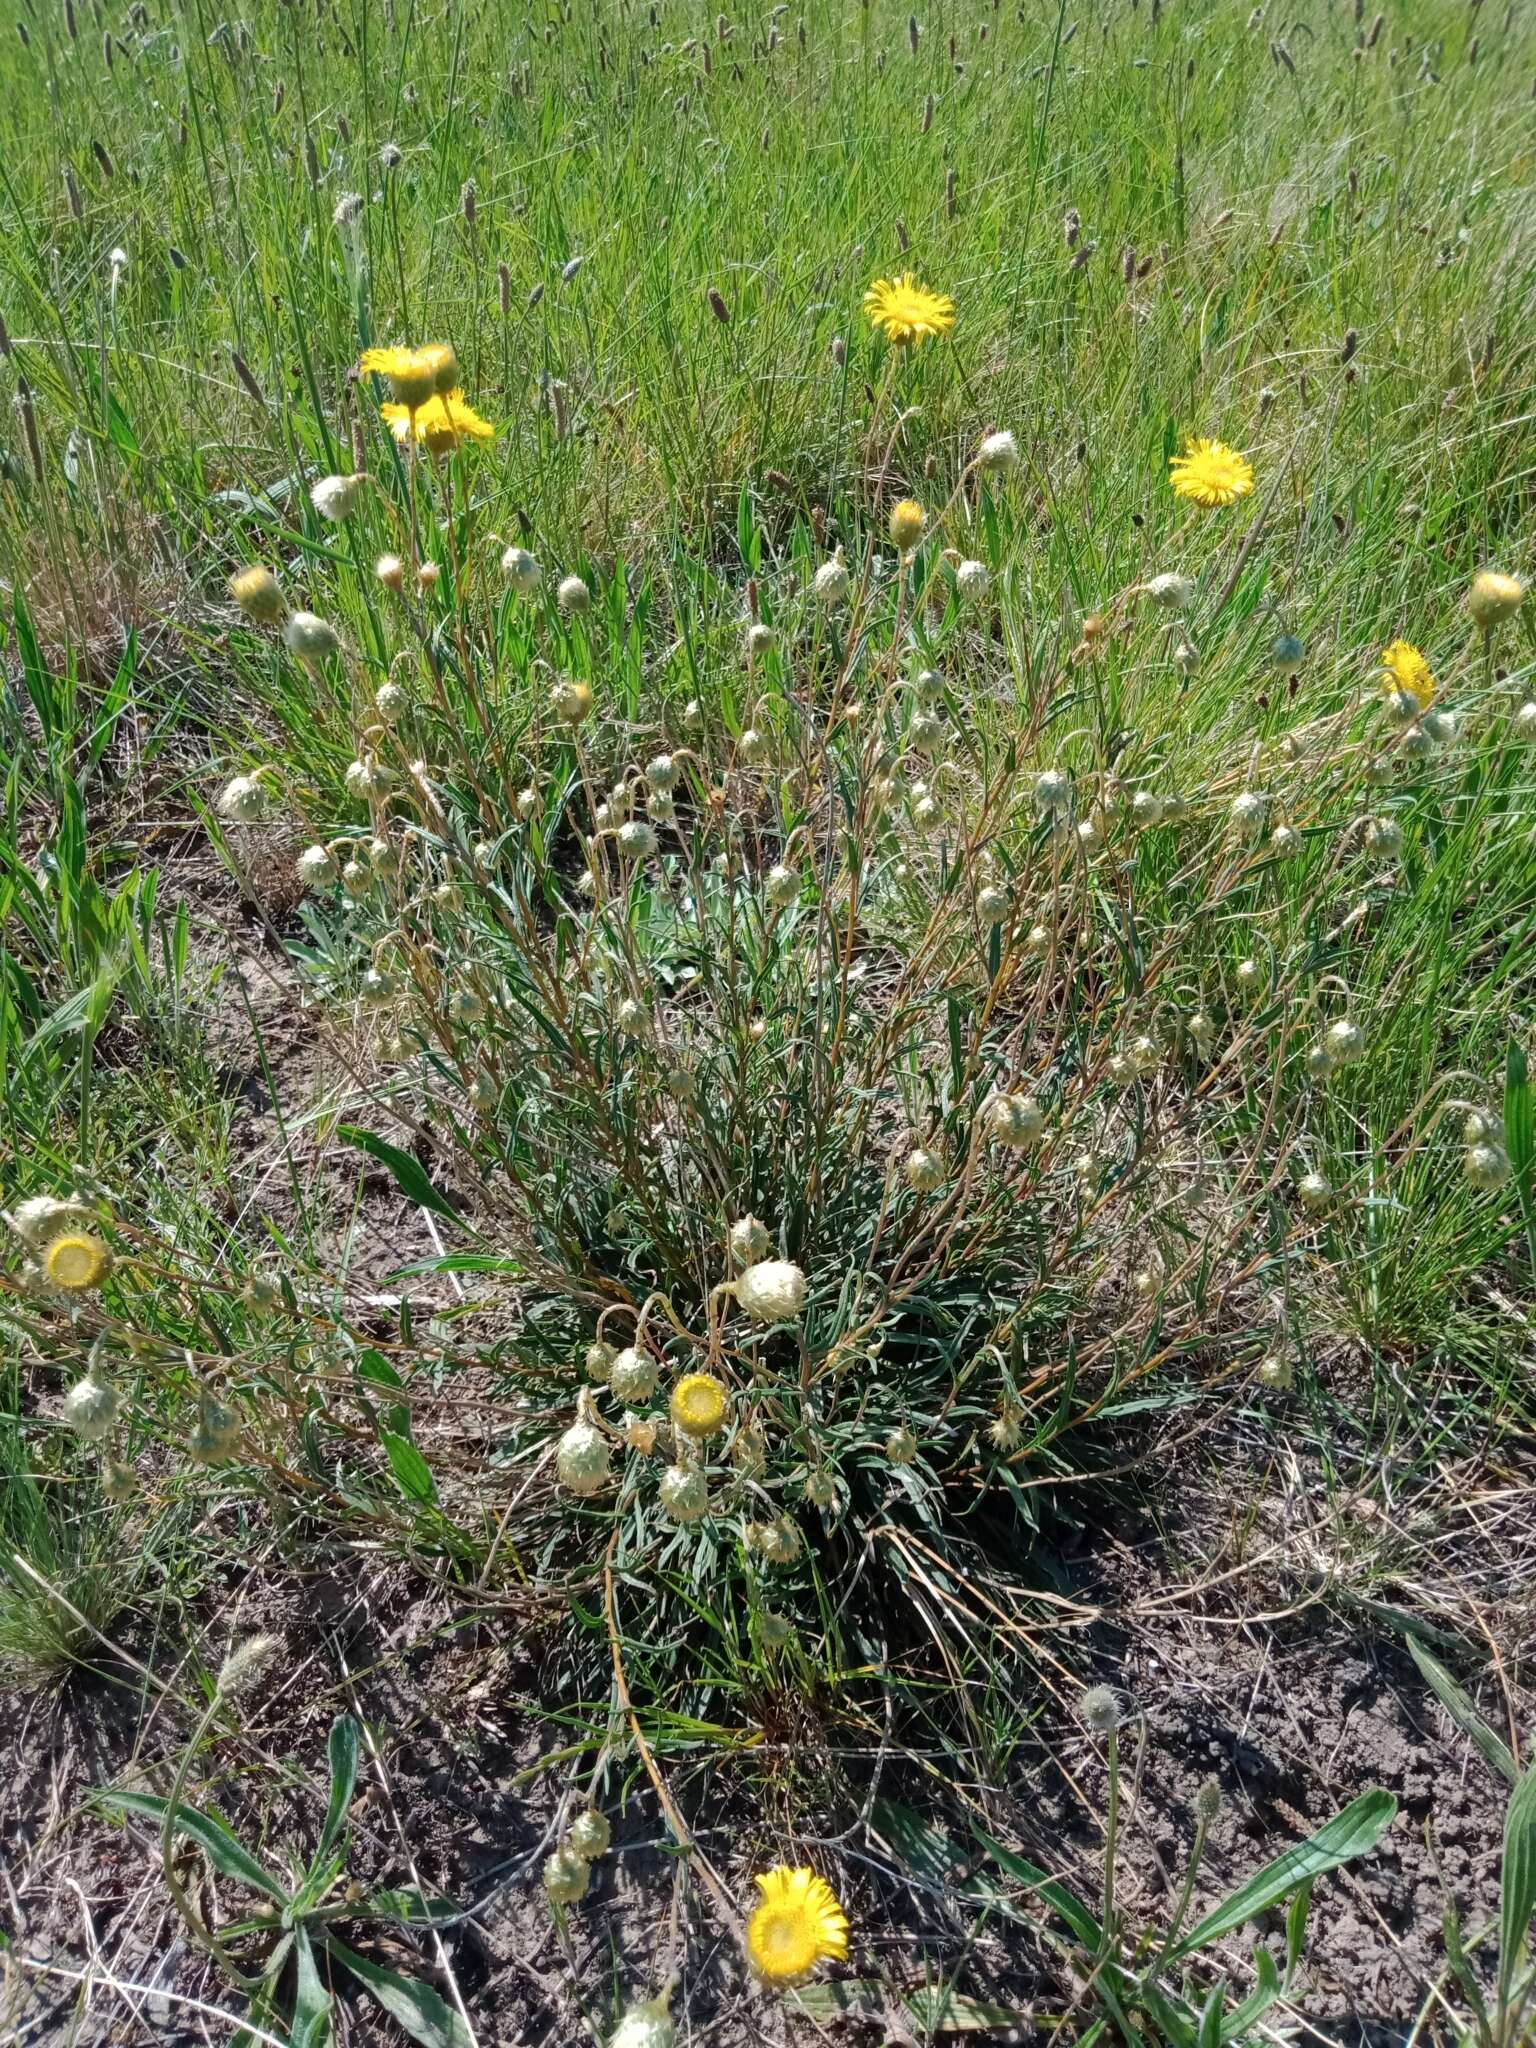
[[972, 581], [771, 1291], [924, 1170], [637, 840], [831, 581], [572, 595], [91, 1408], [335, 497], [244, 799], [1494, 597], [581, 1457], [570, 699], [633, 1375], [749, 1241], [991, 903], [683, 1493], [1016, 1120], [308, 636], [1101, 1709], [1173, 592], [901, 1446], [760, 638], [1287, 652], [317, 867], [589, 1834], [1248, 814], [521, 571], [1053, 791], [646, 2025], [1315, 1192], [391, 702], [566, 1876], [256, 592], [998, 454]]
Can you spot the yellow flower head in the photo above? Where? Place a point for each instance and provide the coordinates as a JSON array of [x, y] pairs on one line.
[[797, 1924], [1405, 669], [438, 425], [698, 1404], [77, 1262], [1210, 473], [414, 374], [907, 522], [905, 312]]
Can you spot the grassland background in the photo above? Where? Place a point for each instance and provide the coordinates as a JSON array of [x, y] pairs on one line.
[[1331, 231]]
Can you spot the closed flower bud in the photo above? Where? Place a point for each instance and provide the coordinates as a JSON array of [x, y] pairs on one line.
[[1101, 1709], [1286, 654], [1525, 721], [369, 778], [749, 1241], [972, 581], [1249, 976], [646, 2025], [1015, 1120], [91, 1408], [1345, 1040], [588, 1835], [391, 702], [1275, 1371], [309, 638], [684, 1493], [991, 903], [357, 879], [1494, 597], [637, 840], [998, 454], [572, 595], [901, 1446], [924, 1170], [830, 583], [1285, 842], [760, 638], [335, 497], [566, 1876], [782, 887], [1315, 1192], [570, 699], [1053, 791], [633, 1375], [662, 773], [581, 1458], [245, 800], [1486, 1165], [255, 590], [521, 570], [633, 1018], [1384, 838], [1173, 592], [771, 1291], [754, 746], [1248, 814], [390, 570], [1146, 809], [317, 867]]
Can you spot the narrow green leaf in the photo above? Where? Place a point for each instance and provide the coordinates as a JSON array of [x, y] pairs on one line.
[[409, 1906], [410, 1175], [1348, 1835], [1462, 1711], [1071, 1909], [416, 2007], [212, 1836], [938, 2010], [1519, 1111], [1517, 1887]]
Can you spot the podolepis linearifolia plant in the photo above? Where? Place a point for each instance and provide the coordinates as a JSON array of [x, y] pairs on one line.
[[863, 1077]]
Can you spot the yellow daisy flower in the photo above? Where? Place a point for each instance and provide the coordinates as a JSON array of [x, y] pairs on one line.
[[797, 1924], [414, 374], [1405, 669], [438, 425], [906, 312], [77, 1262], [698, 1404], [1210, 473]]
